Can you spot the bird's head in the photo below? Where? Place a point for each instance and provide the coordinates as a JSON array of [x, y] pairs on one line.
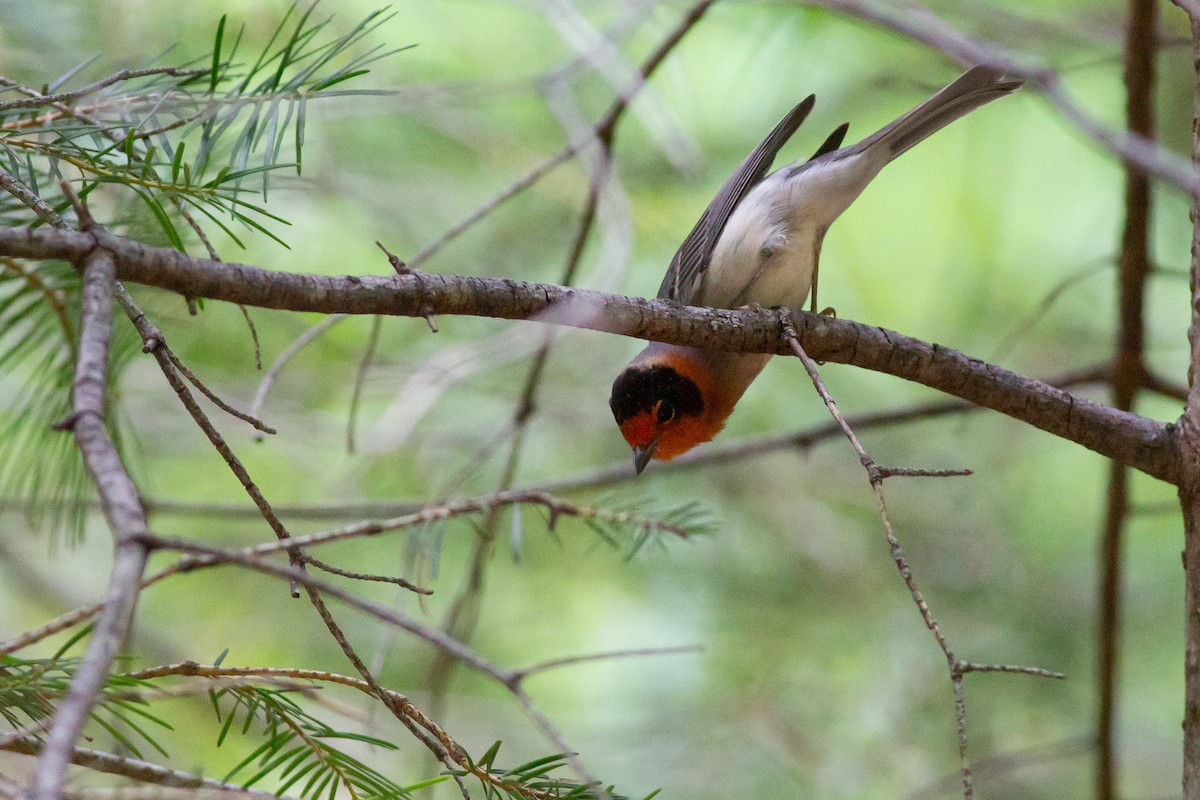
[[661, 410]]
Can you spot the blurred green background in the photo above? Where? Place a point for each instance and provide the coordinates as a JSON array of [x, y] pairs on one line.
[[817, 677]]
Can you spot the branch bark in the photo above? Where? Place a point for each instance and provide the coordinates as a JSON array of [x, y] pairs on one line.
[[1189, 486], [1141, 443], [123, 511], [1128, 376]]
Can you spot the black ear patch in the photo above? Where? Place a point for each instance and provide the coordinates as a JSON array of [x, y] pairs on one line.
[[638, 389]]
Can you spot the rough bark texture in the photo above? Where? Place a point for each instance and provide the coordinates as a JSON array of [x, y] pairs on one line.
[[1190, 499], [1141, 443], [122, 509], [1189, 487]]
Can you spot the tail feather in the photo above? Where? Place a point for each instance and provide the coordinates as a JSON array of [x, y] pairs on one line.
[[974, 88]]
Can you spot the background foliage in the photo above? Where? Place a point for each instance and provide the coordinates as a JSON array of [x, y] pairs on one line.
[[816, 678]]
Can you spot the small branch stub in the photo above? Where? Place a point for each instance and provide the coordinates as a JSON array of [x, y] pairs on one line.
[[404, 269]]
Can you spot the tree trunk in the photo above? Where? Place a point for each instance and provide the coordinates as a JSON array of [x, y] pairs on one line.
[[1188, 437]]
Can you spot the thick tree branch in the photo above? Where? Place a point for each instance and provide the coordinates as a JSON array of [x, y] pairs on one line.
[[1141, 443]]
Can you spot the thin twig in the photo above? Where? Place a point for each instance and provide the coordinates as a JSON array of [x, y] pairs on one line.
[[253, 336], [302, 341], [398, 707], [876, 475], [519, 675], [436, 512], [463, 614], [92, 88], [365, 576], [205, 556], [602, 133], [918, 23], [155, 343], [360, 380], [254, 422], [617, 472], [19, 190], [136, 769], [555, 506]]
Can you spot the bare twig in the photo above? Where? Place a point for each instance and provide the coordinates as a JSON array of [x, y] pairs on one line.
[[360, 380], [19, 190], [155, 343], [1128, 376], [92, 88], [519, 675], [136, 769], [876, 475], [556, 507], [205, 556], [253, 335], [364, 576], [463, 615], [1192, 7], [217, 401], [302, 341], [446, 753], [123, 511], [602, 133], [617, 472], [918, 23]]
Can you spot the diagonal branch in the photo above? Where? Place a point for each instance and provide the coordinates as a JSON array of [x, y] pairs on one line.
[[876, 475], [919, 24], [602, 133]]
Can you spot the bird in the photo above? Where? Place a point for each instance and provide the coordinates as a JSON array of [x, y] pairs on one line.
[[758, 244]]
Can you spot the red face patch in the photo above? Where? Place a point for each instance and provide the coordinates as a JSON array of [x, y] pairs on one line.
[[639, 429]]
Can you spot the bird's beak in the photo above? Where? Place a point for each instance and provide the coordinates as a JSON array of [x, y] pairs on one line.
[[642, 455]]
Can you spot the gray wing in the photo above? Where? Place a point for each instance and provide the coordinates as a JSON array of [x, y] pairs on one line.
[[693, 256]]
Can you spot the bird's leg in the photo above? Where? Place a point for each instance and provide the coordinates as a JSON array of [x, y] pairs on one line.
[[817, 241]]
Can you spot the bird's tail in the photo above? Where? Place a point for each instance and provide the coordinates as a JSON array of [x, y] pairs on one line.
[[972, 89]]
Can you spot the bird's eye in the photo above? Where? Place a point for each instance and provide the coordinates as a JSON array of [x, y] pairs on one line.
[[666, 413]]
